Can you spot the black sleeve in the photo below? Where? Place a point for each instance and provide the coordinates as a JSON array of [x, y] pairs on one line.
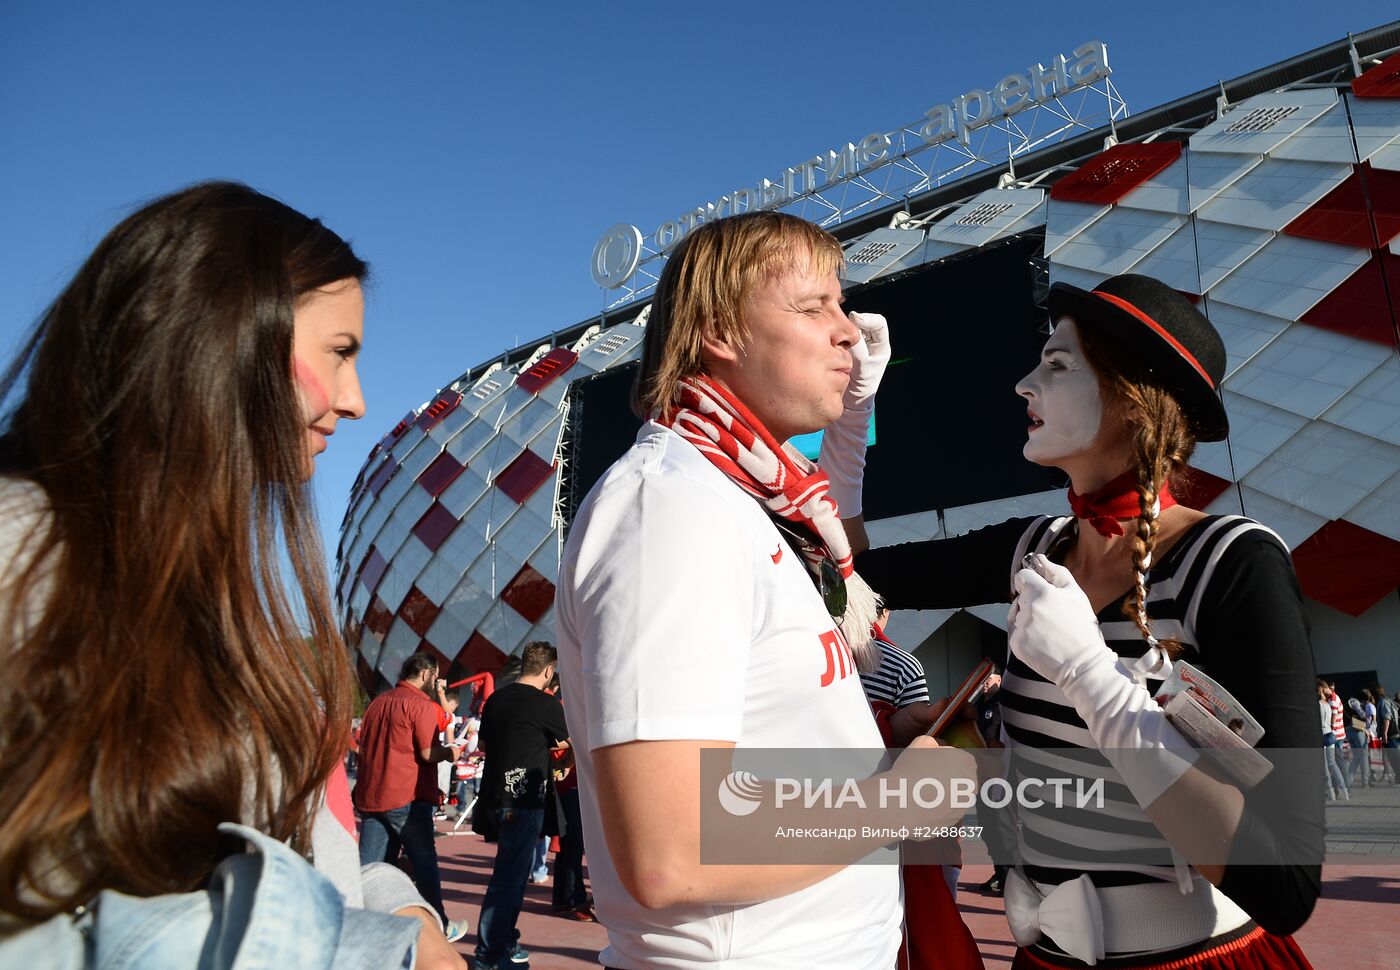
[[1253, 638], [554, 724], [965, 570]]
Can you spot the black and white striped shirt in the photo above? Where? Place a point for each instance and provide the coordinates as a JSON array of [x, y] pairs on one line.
[[1226, 590], [898, 681]]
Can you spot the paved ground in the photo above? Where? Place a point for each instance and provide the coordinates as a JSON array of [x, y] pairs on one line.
[[1356, 925]]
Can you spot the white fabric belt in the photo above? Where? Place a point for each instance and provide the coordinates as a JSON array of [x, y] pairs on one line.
[[1089, 923]]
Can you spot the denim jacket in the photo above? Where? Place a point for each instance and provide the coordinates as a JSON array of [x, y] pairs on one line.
[[267, 909]]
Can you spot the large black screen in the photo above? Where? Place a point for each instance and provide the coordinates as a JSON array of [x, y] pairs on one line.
[[949, 426]]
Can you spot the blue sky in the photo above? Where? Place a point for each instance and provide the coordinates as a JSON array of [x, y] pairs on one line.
[[475, 152]]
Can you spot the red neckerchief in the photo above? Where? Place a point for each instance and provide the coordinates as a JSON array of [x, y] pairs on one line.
[[1118, 500], [791, 487]]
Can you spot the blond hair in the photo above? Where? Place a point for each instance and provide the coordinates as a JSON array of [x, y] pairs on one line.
[[702, 291]]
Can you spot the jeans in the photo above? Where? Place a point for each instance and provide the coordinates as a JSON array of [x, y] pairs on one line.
[[569, 891], [1336, 783], [409, 828], [1391, 750], [517, 836], [540, 870], [1360, 757]]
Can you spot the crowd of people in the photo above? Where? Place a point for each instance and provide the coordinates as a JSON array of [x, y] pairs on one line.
[[716, 592], [1360, 739]]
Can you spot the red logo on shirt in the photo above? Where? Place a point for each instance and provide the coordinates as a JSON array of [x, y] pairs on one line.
[[778, 555], [839, 660]]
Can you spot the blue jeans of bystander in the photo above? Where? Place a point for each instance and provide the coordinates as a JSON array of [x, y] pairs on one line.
[[518, 835], [408, 828]]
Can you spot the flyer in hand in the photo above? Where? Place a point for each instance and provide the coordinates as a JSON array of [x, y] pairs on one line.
[[1210, 717]]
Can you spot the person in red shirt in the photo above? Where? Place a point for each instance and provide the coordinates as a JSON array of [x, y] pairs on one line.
[[396, 790]]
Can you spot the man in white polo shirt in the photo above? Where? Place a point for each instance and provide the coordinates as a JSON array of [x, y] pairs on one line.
[[701, 605]]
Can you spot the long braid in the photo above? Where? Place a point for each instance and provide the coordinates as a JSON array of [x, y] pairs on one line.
[[1162, 444]]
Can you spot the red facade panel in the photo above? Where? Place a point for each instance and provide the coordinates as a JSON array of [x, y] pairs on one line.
[[546, 370], [1347, 567], [1361, 306], [440, 474], [1197, 489], [1112, 175], [435, 526], [1381, 81], [378, 619], [1364, 211], [529, 594], [418, 611], [480, 655], [439, 409], [521, 477]]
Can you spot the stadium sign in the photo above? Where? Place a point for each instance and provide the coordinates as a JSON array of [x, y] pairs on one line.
[[618, 252]]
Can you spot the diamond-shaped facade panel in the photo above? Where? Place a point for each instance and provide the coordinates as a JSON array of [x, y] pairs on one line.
[[480, 655], [1289, 276], [986, 216], [522, 476], [1244, 332], [1115, 173], [1365, 304], [1257, 125], [1208, 175], [440, 474], [1363, 211], [1347, 567], [529, 594], [1292, 524], [1114, 243], [547, 369], [1373, 406], [1274, 193], [1065, 220], [1326, 469], [1174, 261], [1381, 81], [1379, 511], [373, 568], [435, 526], [418, 611], [1306, 370]]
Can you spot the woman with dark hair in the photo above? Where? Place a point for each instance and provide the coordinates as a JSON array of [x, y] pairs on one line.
[[153, 479], [1178, 867]]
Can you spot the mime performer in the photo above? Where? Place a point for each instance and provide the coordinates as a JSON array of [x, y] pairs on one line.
[[1179, 869]]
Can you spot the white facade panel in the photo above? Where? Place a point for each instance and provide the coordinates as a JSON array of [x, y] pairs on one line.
[[1289, 276], [1114, 243], [1306, 370]]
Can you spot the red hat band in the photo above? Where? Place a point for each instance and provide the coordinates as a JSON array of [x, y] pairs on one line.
[[1123, 304]]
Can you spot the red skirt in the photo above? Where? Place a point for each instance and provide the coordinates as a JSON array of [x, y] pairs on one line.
[[1248, 949]]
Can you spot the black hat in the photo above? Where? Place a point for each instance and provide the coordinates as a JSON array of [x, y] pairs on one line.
[[1154, 334]]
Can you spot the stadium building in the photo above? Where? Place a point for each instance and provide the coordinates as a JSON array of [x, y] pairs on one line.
[[1272, 200]]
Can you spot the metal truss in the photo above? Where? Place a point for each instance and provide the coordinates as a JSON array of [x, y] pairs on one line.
[[913, 167]]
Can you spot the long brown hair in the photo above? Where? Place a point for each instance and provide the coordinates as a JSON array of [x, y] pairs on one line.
[[158, 681], [1161, 445]]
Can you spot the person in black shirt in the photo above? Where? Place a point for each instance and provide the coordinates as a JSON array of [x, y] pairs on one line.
[[520, 725]]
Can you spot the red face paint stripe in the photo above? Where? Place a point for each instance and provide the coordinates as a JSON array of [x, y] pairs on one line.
[[1123, 304]]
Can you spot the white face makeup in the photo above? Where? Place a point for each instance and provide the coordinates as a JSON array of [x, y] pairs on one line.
[[1063, 400]]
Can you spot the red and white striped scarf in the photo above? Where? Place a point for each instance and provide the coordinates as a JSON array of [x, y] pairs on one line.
[[786, 482]]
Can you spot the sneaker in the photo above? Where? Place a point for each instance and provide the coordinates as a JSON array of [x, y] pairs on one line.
[[581, 914], [538, 878], [457, 929], [992, 886], [521, 955]]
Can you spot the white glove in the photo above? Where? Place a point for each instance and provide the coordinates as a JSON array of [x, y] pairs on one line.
[[869, 358], [843, 445], [1055, 633]]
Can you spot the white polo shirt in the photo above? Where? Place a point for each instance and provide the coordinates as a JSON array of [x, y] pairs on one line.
[[682, 614]]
